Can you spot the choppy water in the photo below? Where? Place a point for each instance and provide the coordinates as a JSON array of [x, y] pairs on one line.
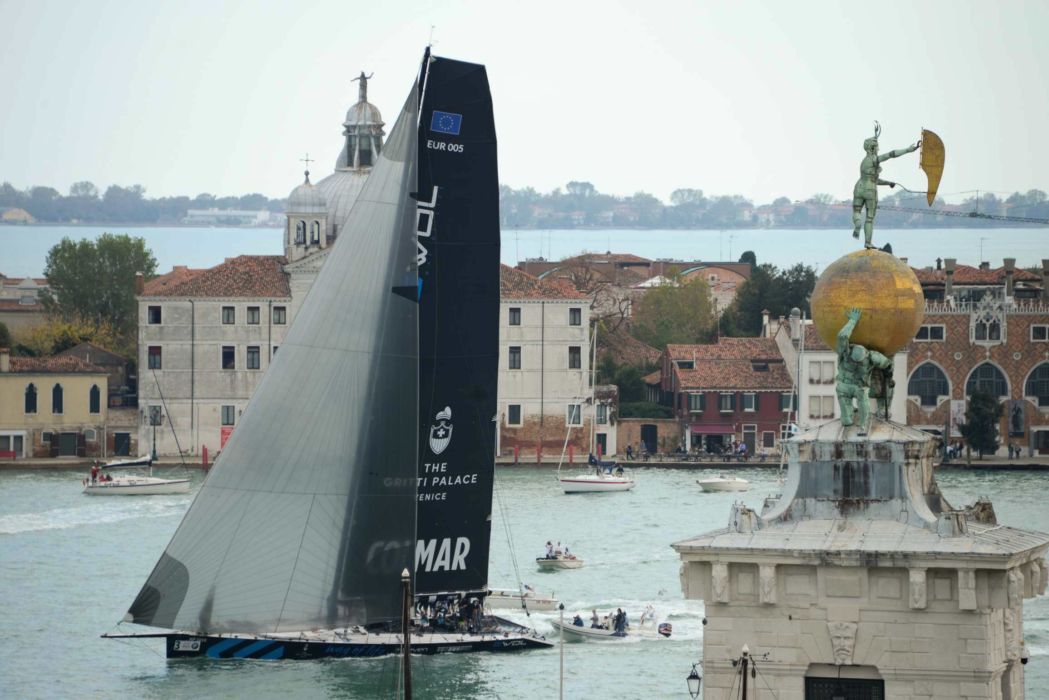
[[70, 566]]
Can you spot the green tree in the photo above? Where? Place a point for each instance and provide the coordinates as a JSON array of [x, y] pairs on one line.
[[686, 196], [750, 258], [5, 337], [769, 288], [982, 416], [94, 280], [677, 312]]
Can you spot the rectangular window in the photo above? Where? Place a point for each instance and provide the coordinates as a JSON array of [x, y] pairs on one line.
[[513, 414], [575, 414], [154, 359], [814, 373], [727, 403], [786, 402], [515, 316], [768, 439], [153, 316], [575, 317], [254, 359], [253, 315], [827, 404], [749, 402], [280, 315], [45, 437], [1040, 333], [575, 357], [228, 415], [229, 357], [229, 315], [827, 372], [814, 407], [515, 357], [697, 403], [930, 332], [602, 413]]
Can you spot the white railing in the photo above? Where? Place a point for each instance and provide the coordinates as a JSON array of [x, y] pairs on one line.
[[1025, 307]]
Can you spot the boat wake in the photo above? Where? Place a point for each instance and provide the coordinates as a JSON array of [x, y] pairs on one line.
[[91, 514]]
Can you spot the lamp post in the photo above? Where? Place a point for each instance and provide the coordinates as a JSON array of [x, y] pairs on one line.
[[694, 681], [743, 663], [155, 418]]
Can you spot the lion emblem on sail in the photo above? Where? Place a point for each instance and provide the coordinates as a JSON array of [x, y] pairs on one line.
[[441, 431]]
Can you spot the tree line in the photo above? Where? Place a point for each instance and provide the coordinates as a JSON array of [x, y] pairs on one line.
[[580, 205], [85, 203]]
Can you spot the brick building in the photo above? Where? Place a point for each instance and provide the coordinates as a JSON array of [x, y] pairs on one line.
[[984, 329], [735, 390]]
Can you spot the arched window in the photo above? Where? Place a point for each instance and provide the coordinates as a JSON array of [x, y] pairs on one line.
[[928, 383], [30, 399], [315, 232], [56, 399], [94, 399], [988, 379], [300, 232], [1037, 385]]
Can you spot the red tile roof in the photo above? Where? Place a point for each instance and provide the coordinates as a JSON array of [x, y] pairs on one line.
[[653, 378], [719, 374], [967, 274], [516, 284], [728, 349], [53, 365], [813, 341], [242, 276]]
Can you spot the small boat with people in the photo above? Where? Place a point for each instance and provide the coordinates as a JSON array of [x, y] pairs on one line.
[[721, 482], [102, 483], [607, 476], [613, 626], [557, 557]]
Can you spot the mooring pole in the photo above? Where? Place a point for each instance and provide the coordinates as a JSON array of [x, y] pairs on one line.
[[561, 607]]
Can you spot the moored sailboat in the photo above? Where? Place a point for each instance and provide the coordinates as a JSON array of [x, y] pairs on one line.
[[295, 544]]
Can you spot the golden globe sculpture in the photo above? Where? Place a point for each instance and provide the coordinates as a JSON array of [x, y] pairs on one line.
[[883, 287]]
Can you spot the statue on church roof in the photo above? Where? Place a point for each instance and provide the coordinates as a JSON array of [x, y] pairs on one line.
[[362, 93], [865, 193]]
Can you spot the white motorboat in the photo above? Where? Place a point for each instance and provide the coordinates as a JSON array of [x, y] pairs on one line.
[[586, 632], [560, 561], [507, 599], [723, 483], [646, 629], [102, 484]]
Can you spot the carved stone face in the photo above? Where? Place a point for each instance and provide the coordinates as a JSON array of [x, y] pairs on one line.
[[842, 641]]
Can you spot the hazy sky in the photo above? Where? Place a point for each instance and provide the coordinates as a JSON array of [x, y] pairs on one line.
[[757, 98]]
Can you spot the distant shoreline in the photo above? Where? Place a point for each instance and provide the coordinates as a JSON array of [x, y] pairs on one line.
[[510, 229]]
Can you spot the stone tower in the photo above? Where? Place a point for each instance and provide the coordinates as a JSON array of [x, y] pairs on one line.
[[306, 230], [861, 581]]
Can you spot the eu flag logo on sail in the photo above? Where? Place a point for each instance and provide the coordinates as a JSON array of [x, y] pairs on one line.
[[446, 122]]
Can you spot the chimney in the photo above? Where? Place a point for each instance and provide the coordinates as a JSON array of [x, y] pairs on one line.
[[765, 323], [795, 324], [5, 360], [1010, 267], [984, 265], [939, 263], [1045, 279], [140, 283], [948, 277]]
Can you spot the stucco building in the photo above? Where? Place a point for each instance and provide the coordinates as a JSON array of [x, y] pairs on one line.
[[544, 371], [21, 304], [52, 407]]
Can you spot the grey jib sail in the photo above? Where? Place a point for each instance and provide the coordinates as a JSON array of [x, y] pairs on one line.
[[458, 326], [308, 518]]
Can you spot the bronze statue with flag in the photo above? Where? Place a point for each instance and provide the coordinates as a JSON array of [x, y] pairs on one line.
[[865, 192]]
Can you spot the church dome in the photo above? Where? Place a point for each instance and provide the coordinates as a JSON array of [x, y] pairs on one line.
[[363, 114], [307, 199]]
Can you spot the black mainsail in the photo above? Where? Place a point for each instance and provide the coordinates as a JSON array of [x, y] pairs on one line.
[[458, 230], [326, 492]]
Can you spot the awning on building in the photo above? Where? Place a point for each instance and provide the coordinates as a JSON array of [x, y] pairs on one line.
[[712, 428]]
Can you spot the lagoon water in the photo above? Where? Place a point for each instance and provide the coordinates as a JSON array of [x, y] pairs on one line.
[[71, 565], [23, 249]]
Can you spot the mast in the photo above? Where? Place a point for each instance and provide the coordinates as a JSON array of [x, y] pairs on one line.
[[593, 391]]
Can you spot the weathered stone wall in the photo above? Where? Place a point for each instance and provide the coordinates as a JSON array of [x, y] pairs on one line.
[[668, 430]]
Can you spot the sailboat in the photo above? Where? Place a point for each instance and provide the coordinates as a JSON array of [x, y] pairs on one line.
[[133, 484], [367, 448], [605, 476]]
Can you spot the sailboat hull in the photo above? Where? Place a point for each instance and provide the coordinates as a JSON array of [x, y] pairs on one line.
[[136, 486], [184, 646]]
